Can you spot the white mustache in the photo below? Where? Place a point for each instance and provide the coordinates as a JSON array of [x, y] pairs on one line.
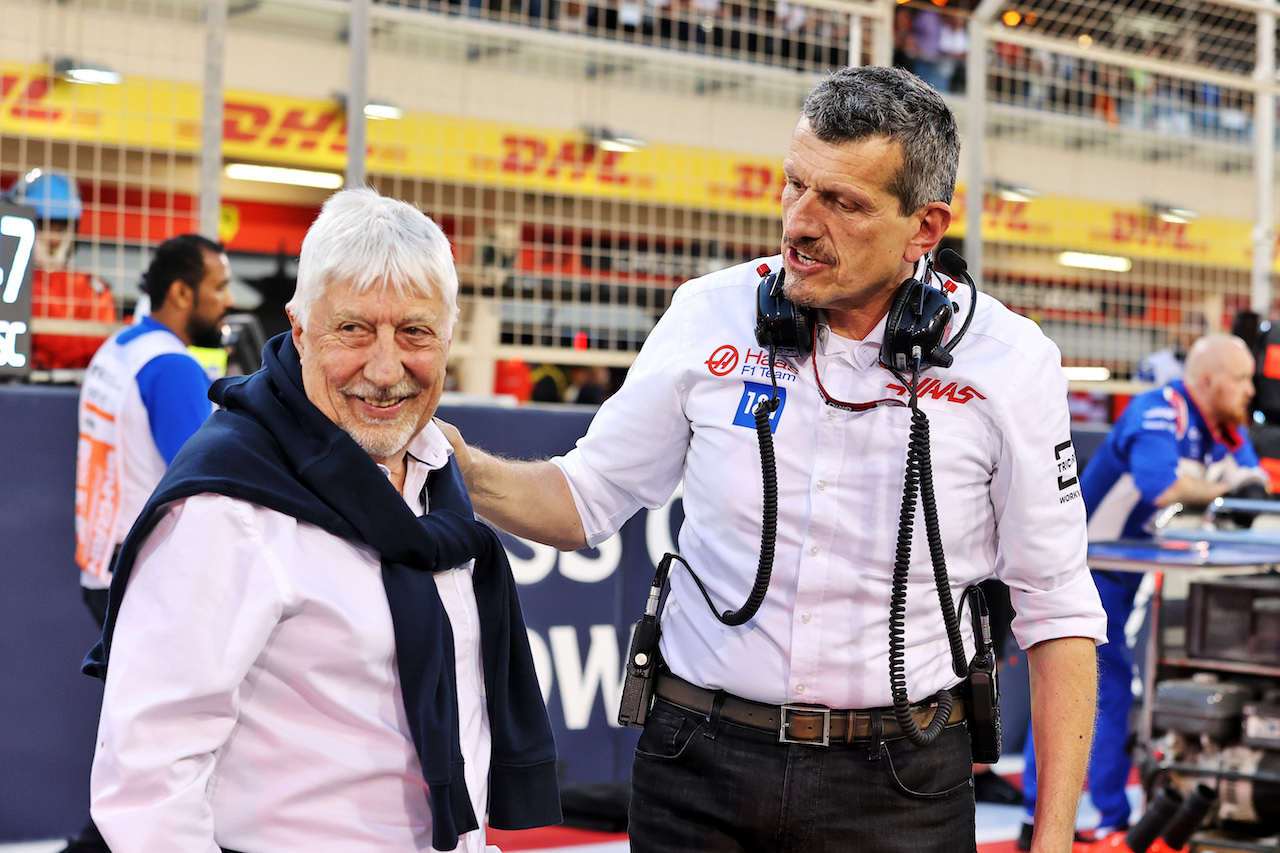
[[368, 391]]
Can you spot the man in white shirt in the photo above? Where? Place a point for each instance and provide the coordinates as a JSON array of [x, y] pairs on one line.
[[726, 760], [312, 644]]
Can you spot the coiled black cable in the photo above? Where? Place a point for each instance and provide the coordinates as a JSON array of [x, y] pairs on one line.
[[769, 524], [919, 478], [920, 435]]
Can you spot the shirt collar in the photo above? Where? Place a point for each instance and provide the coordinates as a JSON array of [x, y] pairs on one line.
[[861, 354], [428, 451], [152, 324]]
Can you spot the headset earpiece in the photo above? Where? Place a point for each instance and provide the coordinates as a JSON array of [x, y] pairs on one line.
[[919, 317], [780, 324]]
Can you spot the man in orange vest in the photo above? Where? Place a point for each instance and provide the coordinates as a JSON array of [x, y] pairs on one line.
[[59, 291]]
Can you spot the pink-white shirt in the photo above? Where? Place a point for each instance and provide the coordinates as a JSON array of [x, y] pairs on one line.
[[253, 700]]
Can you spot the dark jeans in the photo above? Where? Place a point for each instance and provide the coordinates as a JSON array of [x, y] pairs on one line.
[[699, 786]]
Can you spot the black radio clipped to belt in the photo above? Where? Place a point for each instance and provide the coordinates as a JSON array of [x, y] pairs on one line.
[[982, 687], [642, 659]]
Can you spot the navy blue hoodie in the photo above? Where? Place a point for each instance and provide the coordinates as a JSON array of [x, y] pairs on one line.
[[269, 445]]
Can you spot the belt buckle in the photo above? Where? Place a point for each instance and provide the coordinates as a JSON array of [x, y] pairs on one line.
[[784, 724]]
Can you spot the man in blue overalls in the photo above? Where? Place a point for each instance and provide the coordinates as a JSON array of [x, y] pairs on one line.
[[1185, 443]]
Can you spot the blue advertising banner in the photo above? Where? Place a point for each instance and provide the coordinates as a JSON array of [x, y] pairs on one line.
[[580, 606]]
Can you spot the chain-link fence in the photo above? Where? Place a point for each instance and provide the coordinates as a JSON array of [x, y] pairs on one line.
[[1125, 192], [99, 132]]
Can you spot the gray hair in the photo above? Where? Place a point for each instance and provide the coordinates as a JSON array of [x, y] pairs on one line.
[[854, 104], [369, 241]]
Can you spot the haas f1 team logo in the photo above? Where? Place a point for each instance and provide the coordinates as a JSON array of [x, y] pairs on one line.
[[723, 360], [933, 388]]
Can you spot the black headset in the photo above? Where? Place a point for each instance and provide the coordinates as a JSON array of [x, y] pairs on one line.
[[919, 317]]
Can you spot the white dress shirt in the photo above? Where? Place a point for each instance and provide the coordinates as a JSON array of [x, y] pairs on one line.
[[1003, 472], [253, 700]]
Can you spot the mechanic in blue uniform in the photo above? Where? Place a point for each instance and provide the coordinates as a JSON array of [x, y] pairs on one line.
[[1182, 443]]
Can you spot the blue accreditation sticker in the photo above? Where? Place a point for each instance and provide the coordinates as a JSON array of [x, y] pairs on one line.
[[752, 394]]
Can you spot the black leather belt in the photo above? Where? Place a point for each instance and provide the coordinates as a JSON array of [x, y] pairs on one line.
[[808, 724]]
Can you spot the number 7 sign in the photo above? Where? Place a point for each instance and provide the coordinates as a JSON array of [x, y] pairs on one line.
[[17, 239]]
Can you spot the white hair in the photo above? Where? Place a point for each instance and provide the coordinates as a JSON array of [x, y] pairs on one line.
[[368, 241]]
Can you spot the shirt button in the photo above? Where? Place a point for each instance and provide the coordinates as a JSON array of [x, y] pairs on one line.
[[831, 416], [813, 552], [805, 617], [799, 688], [822, 484]]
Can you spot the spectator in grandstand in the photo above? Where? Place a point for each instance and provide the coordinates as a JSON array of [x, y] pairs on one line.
[[796, 34], [904, 39], [59, 292], [1009, 71], [1069, 78], [1235, 120], [929, 61], [1180, 443], [1170, 96], [832, 36], [306, 612], [143, 396], [953, 48], [1108, 93], [570, 16], [726, 757], [1039, 61]]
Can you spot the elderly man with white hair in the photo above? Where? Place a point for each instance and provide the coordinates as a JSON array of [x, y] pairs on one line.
[[311, 643]]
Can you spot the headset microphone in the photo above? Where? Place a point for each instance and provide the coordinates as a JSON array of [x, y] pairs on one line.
[[951, 264]]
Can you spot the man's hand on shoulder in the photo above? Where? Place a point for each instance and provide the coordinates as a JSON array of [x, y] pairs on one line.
[[529, 499], [461, 450]]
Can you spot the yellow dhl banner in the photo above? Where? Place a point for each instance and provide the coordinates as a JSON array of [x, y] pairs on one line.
[[258, 127], [1112, 229], [449, 148], [144, 113]]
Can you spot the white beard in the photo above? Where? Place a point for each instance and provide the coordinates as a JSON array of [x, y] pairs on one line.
[[382, 441]]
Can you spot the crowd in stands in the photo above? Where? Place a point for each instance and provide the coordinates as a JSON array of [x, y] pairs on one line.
[[1129, 96], [774, 32], [933, 45], [932, 42]]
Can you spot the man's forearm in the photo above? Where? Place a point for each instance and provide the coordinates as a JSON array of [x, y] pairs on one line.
[[529, 499], [1064, 689], [1192, 490]]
